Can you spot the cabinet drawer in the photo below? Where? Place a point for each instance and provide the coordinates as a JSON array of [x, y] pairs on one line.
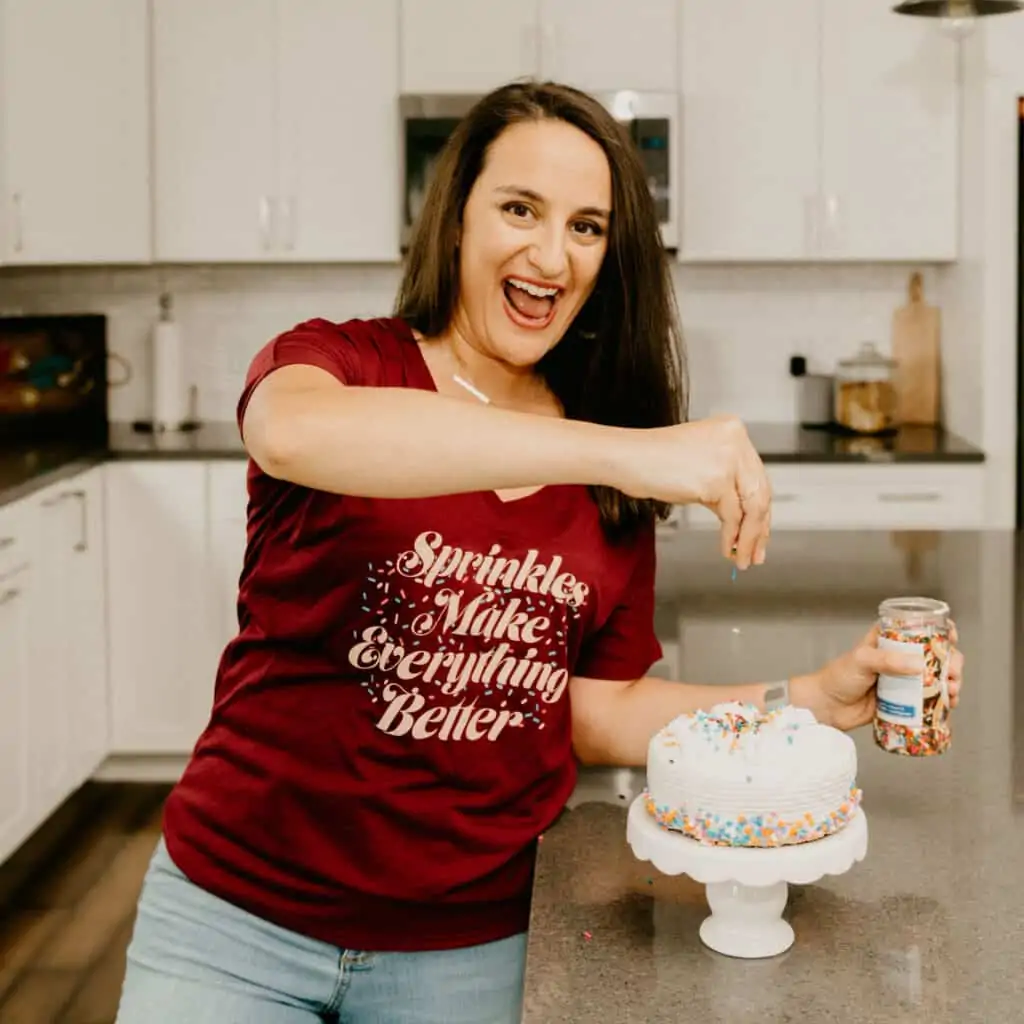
[[891, 497]]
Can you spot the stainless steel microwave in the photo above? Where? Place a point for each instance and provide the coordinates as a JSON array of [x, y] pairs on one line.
[[652, 119]]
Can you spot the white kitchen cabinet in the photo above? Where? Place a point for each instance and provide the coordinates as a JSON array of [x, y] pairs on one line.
[[339, 152], [889, 144], [81, 506], [68, 678], [816, 130], [159, 612], [16, 812], [74, 158], [749, 128], [870, 497], [215, 129], [227, 531], [467, 46], [473, 46], [289, 150], [602, 45]]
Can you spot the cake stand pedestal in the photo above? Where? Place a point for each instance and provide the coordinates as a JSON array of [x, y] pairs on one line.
[[746, 888]]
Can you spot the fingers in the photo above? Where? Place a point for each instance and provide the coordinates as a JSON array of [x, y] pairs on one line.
[[954, 679], [730, 512], [891, 663], [754, 492], [753, 532]]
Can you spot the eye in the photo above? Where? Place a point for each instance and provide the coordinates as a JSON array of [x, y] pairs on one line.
[[588, 228], [517, 209]]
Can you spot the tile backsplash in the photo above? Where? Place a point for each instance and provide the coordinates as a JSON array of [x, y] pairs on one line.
[[741, 323]]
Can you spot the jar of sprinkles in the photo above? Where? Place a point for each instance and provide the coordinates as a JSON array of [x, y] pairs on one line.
[[912, 717]]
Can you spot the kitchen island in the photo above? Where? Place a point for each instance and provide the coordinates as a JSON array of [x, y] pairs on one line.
[[929, 927]]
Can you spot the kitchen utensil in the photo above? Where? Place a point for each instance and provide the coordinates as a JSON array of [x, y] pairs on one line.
[[915, 348], [813, 395], [865, 392]]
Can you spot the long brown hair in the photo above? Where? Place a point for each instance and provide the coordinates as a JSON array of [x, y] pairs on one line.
[[621, 361]]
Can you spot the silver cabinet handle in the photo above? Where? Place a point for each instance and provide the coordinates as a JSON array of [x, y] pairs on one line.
[[916, 496], [82, 544], [782, 499], [9, 595], [6, 542]]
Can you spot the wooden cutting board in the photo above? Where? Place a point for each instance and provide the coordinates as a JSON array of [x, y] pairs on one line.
[[916, 330]]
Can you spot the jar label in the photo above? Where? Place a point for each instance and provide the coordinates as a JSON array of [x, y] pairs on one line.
[[901, 698]]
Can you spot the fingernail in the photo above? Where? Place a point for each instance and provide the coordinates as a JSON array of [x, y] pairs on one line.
[[759, 558]]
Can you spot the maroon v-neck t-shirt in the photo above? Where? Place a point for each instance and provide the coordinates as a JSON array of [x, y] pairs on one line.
[[390, 731]]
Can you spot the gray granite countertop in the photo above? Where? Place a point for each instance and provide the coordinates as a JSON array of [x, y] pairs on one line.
[[27, 467], [929, 927]]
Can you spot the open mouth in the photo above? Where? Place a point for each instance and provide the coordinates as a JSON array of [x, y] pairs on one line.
[[528, 304]]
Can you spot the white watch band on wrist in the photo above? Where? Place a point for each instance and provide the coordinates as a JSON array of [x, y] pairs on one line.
[[776, 696]]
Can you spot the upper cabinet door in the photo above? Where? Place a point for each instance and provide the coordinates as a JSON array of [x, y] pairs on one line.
[[602, 45], [750, 138], [890, 135], [75, 108], [215, 102], [467, 46], [339, 130]]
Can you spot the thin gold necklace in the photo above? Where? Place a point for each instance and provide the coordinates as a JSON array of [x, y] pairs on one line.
[[462, 381]]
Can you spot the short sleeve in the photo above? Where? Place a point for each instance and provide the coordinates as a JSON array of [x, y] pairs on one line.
[[626, 646], [313, 343]]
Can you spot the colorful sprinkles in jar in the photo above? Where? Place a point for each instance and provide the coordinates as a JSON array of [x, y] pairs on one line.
[[912, 717]]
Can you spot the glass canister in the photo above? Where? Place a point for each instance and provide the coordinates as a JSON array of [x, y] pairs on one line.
[[865, 395], [912, 716]]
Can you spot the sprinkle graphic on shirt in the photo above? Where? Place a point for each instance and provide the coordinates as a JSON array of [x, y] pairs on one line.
[[453, 630]]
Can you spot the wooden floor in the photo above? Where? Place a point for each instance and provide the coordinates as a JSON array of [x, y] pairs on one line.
[[67, 904]]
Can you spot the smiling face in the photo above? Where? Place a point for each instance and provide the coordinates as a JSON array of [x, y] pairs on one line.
[[534, 234]]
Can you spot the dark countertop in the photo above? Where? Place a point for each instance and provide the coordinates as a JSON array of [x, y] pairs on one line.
[[784, 442], [27, 467], [929, 927]]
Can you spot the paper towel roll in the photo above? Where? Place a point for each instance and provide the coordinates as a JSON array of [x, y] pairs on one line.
[[170, 396]]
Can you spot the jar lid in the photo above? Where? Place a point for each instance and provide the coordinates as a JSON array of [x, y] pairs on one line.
[[868, 355], [913, 610]]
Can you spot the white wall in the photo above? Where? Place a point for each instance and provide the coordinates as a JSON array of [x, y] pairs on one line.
[[741, 323]]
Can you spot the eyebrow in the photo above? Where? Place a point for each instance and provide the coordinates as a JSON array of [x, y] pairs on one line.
[[536, 197]]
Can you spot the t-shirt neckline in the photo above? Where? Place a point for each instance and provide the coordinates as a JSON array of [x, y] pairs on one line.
[[492, 498]]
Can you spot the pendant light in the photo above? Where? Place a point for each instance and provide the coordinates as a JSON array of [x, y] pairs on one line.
[[957, 17]]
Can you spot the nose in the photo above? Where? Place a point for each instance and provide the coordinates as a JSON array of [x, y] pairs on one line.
[[549, 253]]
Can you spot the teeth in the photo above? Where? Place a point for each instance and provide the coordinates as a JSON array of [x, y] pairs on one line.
[[533, 289]]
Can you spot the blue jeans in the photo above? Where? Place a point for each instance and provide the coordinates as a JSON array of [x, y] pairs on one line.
[[195, 958]]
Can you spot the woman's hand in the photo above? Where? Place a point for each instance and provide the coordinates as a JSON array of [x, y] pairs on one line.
[[707, 462], [843, 694]]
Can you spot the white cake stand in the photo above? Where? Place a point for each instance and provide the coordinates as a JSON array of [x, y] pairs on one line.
[[746, 888]]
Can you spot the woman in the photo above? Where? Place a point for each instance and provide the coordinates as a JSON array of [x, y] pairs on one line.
[[447, 593]]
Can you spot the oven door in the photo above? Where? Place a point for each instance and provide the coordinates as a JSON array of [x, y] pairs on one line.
[[427, 122], [652, 119]]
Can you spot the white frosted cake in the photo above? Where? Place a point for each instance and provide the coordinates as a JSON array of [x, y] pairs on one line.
[[736, 776]]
